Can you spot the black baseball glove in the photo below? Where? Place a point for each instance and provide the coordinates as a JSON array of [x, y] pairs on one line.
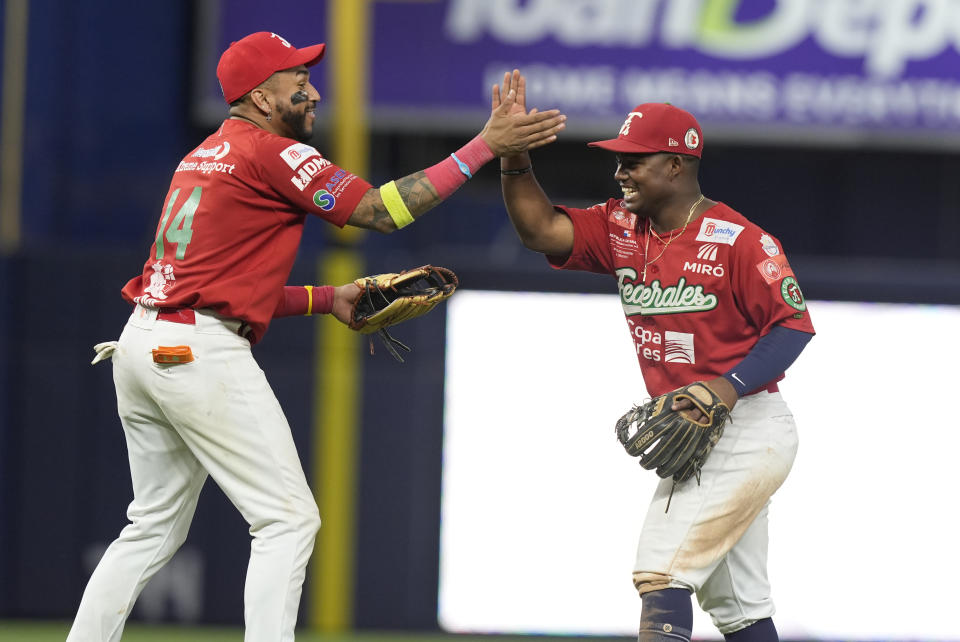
[[388, 299], [671, 441]]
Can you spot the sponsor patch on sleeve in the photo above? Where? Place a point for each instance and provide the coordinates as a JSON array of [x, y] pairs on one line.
[[719, 231], [324, 200], [296, 154], [774, 268], [310, 170], [790, 291], [769, 245]]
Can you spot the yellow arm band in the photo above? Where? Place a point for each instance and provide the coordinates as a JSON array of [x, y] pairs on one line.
[[395, 206], [309, 289]]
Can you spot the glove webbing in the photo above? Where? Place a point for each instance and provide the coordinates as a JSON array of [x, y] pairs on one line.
[[696, 471], [390, 341]]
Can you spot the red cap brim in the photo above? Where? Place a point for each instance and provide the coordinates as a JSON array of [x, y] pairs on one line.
[[308, 56], [623, 146]]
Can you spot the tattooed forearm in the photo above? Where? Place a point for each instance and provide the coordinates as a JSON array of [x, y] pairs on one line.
[[417, 192]]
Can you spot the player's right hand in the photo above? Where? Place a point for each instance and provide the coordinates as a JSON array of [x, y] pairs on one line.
[[343, 298], [511, 129]]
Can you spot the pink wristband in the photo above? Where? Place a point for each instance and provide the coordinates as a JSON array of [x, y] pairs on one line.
[[453, 171]]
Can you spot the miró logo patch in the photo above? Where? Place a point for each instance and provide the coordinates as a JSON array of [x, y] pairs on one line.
[[715, 230]]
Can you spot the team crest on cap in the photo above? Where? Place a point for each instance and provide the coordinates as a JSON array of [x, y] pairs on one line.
[[625, 127], [691, 139], [281, 39]]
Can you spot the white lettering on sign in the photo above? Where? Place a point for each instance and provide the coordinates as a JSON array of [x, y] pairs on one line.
[[885, 34]]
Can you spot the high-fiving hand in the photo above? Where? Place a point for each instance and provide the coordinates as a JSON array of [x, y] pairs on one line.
[[511, 129]]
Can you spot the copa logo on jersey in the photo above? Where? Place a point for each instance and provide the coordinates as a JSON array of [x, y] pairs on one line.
[[678, 347], [719, 231]]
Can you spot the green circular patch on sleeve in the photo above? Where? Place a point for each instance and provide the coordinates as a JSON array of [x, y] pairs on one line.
[[790, 291]]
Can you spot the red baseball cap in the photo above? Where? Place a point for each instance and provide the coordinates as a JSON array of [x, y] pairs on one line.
[[656, 127], [251, 60]]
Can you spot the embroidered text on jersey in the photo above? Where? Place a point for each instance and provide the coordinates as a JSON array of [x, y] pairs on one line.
[[656, 299]]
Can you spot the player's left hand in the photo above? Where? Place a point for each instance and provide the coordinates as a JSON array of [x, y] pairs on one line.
[[343, 298], [723, 388], [518, 83], [511, 129]]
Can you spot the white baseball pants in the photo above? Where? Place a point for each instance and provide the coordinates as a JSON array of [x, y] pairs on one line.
[[713, 540], [215, 416]]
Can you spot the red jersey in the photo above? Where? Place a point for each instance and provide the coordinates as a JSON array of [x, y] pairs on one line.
[[708, 297], [232, 220]]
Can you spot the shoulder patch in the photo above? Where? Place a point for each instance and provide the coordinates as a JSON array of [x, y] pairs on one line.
[[719, 231], [791, 294], [769, 245], [297, 153], [774, 268]]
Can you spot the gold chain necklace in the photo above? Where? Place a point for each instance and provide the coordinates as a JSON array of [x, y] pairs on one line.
[[650, 230]]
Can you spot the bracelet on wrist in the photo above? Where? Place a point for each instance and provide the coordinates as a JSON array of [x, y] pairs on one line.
[[516, 172]]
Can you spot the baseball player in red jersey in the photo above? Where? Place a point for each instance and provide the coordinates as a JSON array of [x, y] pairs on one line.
[[708, 296], [191, 398]]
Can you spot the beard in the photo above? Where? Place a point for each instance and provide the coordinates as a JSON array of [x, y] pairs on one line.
[[297, 122]]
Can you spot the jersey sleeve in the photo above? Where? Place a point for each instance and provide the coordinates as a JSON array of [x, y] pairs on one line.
[[591, 245], [765, 287], [312, 183]]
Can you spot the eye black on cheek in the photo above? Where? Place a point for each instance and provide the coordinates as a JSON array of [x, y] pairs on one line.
[[299, 97]]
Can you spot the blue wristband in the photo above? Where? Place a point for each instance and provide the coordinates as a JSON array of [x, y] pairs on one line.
[[463, 166]]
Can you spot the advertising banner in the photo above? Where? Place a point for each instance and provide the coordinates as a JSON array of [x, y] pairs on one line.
[[830, 71]]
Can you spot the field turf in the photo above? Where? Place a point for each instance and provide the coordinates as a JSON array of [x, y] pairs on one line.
[[20, 631]]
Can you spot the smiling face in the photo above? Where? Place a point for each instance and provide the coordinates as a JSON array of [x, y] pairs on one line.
[[294, 100], [647, 180]]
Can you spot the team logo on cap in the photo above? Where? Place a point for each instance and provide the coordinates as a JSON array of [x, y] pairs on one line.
[[691, 139], [281, 39], [625, 127]]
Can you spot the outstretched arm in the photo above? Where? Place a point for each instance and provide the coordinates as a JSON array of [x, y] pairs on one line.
[[538, 224], [508, 131]]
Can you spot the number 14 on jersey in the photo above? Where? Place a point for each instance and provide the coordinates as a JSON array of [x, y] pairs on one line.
[[180, 231]]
